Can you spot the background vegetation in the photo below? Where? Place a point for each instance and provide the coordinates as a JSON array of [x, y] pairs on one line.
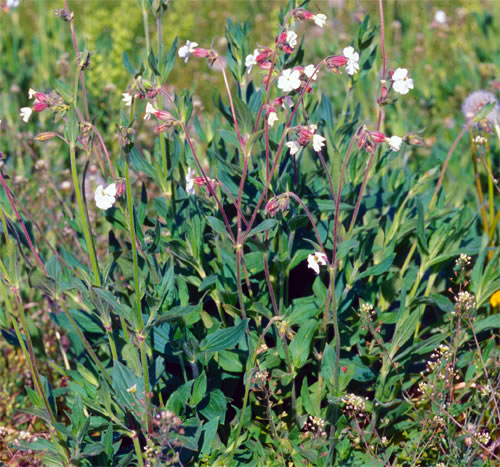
[[234, 378]]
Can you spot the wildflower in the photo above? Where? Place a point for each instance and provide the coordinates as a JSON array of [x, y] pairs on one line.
[[495, 299], [480, 140], [352, 56], [127, 99], [190, 181], [318, 142], [303, 15], [289, 80], [354, 403], [272, 118], [402, 82], [186, 50], [159, 114], [440, 17], [25, 113], [105, 197], [291, 38], [283, 101], [314, 261], [465, 301], [309, 70], [319, 19], [463, 260], [12, 4], [474, 102], [294, 147], [394, 143], [251, 60]]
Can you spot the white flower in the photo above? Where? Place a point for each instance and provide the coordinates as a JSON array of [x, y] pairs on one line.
[[105, 197], [440, 17], [318, 142], [31, 93], [12, 3], [149, 110], [294, 147], [190, 181], [251, 60], [289, 80], [291, 38], [402, 83], [127, 99], [394, 142], [309, 70], [186, 50], [272, 118], [319, 19], [314, 261], [25, 113], [352, 56]]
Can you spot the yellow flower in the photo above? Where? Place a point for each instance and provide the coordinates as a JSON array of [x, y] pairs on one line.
[[495, 299]]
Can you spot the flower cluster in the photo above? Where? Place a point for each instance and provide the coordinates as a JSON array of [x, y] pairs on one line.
[[43, 101], [349, 59], [354, 403], [306, 134], [191, 181], [462, 261], [465, 301], [369, 140], [300, 14], [314, 427]]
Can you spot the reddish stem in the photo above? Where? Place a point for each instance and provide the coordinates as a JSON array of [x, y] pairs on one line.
[[11, 201]]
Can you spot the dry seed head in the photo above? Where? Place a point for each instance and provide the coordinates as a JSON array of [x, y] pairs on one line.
[[474, 102]]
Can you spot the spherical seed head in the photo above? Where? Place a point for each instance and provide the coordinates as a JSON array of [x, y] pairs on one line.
[[474, 102]]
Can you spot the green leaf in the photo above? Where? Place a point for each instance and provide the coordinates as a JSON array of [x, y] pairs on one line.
[[263, 226], [199, 389], [217, 225], [214, 405], [209, 434], [422, 239], [224, 339], [301, 343], [379, 268]]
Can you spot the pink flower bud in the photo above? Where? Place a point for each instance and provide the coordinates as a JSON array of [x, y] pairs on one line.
[[377, 137], [337, 61], [120, 189], [201, 53], [302, 15]]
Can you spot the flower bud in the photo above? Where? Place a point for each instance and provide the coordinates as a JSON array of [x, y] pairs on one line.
[[45, 136]]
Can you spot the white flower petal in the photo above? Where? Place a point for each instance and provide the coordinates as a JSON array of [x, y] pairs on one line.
[[318, 142], [272, 118], [309, 70], [25, 113], [395, 142], [291, 38], [105, 197], [127, 99], [319, 19], [294, 147]]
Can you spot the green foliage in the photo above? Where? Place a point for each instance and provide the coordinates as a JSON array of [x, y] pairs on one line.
[[185, 324]]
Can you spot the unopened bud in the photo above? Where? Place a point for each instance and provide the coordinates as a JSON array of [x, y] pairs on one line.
[[46, 135]]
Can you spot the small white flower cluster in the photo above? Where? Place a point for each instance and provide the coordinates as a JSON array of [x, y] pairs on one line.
[[441, 355], [484, 437], [465, 301], [366, 309], [480, 140], [438, 421], [354, 403], [315, 426], [260, 378], [463, 260]]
